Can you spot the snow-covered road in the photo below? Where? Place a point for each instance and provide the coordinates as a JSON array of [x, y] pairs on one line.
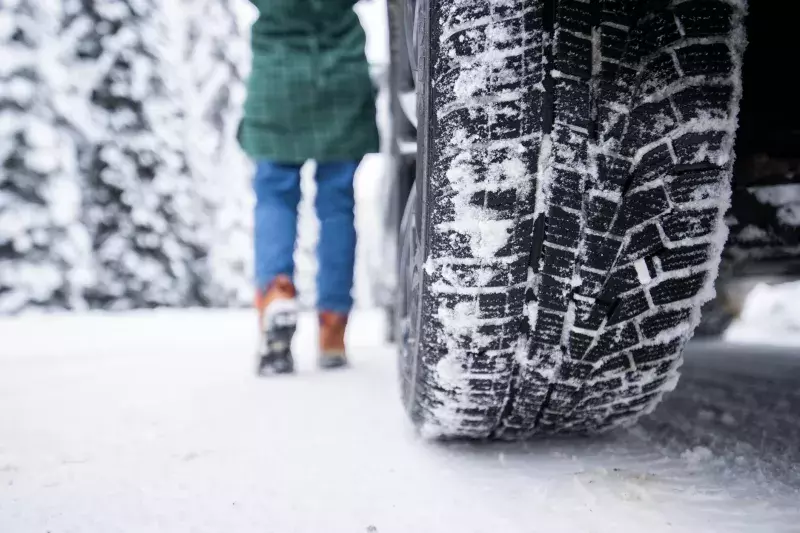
[[154, 422]]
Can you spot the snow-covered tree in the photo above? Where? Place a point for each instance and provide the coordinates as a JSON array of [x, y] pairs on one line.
[[213, 57], [44, 249], [122, 183], [141, 206]]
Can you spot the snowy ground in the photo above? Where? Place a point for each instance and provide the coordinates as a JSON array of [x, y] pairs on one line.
[[154, 422]]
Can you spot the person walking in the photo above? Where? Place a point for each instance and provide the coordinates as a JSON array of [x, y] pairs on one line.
[[309, 97]]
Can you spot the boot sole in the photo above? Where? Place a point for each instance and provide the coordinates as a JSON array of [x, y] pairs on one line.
[[331, 362], [277, 355]]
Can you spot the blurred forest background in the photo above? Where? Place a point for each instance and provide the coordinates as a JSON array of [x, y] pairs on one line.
[[121, 182]]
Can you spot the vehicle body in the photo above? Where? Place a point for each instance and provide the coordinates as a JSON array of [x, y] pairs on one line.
[[563, 183]]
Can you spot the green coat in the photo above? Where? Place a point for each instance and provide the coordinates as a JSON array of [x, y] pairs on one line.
[[309, 92]]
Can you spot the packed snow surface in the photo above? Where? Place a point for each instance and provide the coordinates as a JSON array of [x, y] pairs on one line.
[[152, 422]]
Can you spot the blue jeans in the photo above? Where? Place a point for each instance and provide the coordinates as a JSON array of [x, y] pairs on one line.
[[277, 188]]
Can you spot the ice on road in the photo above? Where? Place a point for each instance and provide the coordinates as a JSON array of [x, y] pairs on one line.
[[152, 422]]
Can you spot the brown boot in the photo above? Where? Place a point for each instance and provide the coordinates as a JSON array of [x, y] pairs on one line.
[[331, 339], [277, 321]]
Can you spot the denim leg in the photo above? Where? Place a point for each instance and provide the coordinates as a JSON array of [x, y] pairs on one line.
[[337, 240], [277, 188]]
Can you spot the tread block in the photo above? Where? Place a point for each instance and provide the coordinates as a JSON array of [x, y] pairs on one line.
[[626, 408], [672, 259], [631, 306], [483, 364], [464, 12], [614, 173], [697, 103], [660, 73], [518, 244], [553, 294], [621, 12], [704, 19], [492, 304], [654, 164], [456, 244], [613, 42], [496, 275], [613, 340], [623, 279], [578, 344], [572, 102], [508, 74], [574, 371], [562, 396], [689, 223], [548, 327], [651, 121], [474, 160], [533, 102], [574, 54], [502, 199], [558, 262], [678, 289], [600, 213], [654, 324], [653, 353], [615, 364], [698, 148], [656, 31], [473, 119], [516, 301], [446, 85], [504, 10], [563, 228], [641, 206], [505, 122], [600, 251], [591, 282], [573, 15], [569, 147], [643, 242], [694, 185], [712, 59], [566, 189], [514, 35], [467, 43], [587, 315], [687, 168]]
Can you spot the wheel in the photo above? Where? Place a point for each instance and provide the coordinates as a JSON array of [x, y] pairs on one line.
[[401, 160], [406, 321], [574, 168]]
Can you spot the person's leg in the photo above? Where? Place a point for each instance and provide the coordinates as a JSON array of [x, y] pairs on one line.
[[337, 240], [277, 188], [336, 251]]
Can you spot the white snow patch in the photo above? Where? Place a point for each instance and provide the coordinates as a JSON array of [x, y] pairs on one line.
[[642, 272], [728, 419], [785, 197], [209, 447], [698, 454], [770, 315]]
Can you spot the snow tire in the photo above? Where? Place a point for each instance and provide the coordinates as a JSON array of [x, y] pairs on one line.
[[575, 161]]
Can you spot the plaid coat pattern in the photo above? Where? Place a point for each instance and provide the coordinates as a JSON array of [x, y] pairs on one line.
[[309, 91]]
